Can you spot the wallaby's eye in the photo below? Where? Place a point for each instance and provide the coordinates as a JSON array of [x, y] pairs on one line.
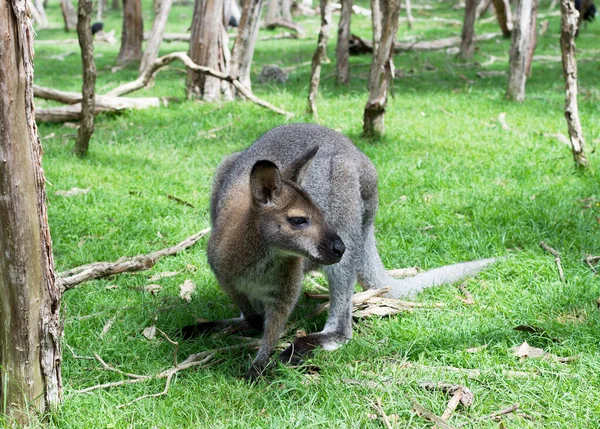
[[298, 221]]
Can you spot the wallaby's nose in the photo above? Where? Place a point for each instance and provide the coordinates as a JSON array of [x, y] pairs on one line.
[[338, 247]]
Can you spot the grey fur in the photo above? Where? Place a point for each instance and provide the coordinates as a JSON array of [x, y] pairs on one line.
[[265, 281]]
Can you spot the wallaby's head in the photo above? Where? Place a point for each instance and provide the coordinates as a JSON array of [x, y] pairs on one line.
[[288, 219]]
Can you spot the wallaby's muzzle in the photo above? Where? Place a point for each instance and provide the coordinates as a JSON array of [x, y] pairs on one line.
[[331, 249]]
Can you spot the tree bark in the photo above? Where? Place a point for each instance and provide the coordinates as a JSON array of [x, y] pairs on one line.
[[519, 50], [115, 5], [208, 47], [84, 31], [30, 327], [156, 34], [69, 15], [504, 16], [467, 45], [132, 33], [245, 42], [567, 44], [343, 43], [38, 13], [319, 56], [534, 38], [382, 68]]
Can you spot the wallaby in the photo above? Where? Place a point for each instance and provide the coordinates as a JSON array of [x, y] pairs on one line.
[[301, 198]]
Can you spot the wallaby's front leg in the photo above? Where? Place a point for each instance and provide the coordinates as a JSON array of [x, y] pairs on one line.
[[275, 320]]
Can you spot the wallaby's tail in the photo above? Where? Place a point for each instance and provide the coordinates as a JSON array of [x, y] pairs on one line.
[[372, 273]]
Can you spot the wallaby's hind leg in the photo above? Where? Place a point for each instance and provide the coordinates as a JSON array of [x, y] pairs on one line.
[[338, 328]]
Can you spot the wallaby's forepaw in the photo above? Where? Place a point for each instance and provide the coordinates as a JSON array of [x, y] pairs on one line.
[[192, 331]]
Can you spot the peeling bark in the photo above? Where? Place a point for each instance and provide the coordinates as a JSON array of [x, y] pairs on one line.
[[132, 33], [156, 34], [319, 55], [519, 50], [209, 48], [382, 67], [245, 42], [84, 31], [567, 45], [30, 327], [343, 43]]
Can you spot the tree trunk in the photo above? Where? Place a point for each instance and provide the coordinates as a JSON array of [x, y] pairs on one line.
[[156, 34], [319, 56], [343, 43], [133, 32], [382, 68], [519, 50], [272, 10], [38, 13], [30, 327], [69, 15], [409, 17], [99, 10], [115, 5], [534, 38], [567, 43], [208, 47], [467, 44], [504, 15], [84, 31], [245, 42], [482, 8]]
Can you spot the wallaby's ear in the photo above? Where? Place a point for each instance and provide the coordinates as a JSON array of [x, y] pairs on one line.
[[297, 170], [265, 182]]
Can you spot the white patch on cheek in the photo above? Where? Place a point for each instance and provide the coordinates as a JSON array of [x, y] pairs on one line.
[[310, 248]]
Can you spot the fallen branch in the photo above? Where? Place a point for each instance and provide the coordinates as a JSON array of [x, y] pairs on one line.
[[428, 415], [103, 104], [145, 78], [271, 24], [502, 412], [382, 413], [557, 260], [590, 261], [359, 45], [75, 276], [171, 37], [459, 395]]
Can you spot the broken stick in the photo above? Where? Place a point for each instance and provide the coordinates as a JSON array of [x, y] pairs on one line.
[[428, 415], [557, 260], [97, 270]]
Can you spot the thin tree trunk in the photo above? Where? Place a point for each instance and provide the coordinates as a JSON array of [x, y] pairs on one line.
[[519, 50], [38, 13], [319, 56], [376, 20], [245, 42], [343, 43], [208, 47], [567, 44], [156, 34], [286, 10], [382, 69], [132, 33], [409, 17], [69, 15], [467, 45], [30, 327], [115, 5], [482, 8], [272, 10], [534, 38], [504, 16], [99, 11], [84, 31]]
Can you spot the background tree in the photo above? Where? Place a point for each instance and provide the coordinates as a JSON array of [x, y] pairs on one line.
[[133, 32], [567, 44], [343, 43], [245, 42], [467, 45], [504, 16], [69, 15], [208, 47], [156, 34], [30, 327], [385, 26], [519, 49], [86, 43], [319, 56]]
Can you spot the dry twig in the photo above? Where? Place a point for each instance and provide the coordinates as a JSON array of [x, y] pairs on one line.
[[382, 413], [557, 260], [468, 299], [73, 277], [428, 415]]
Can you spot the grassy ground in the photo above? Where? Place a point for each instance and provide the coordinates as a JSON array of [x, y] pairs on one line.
[[444, 162]]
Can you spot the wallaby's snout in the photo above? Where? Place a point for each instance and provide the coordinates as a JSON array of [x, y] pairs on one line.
[[332, 249]]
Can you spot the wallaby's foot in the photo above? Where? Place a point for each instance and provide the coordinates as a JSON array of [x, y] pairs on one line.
[[302, 347], [256, 372]]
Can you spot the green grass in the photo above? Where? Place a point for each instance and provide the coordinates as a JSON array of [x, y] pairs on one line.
[[486, 191]]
